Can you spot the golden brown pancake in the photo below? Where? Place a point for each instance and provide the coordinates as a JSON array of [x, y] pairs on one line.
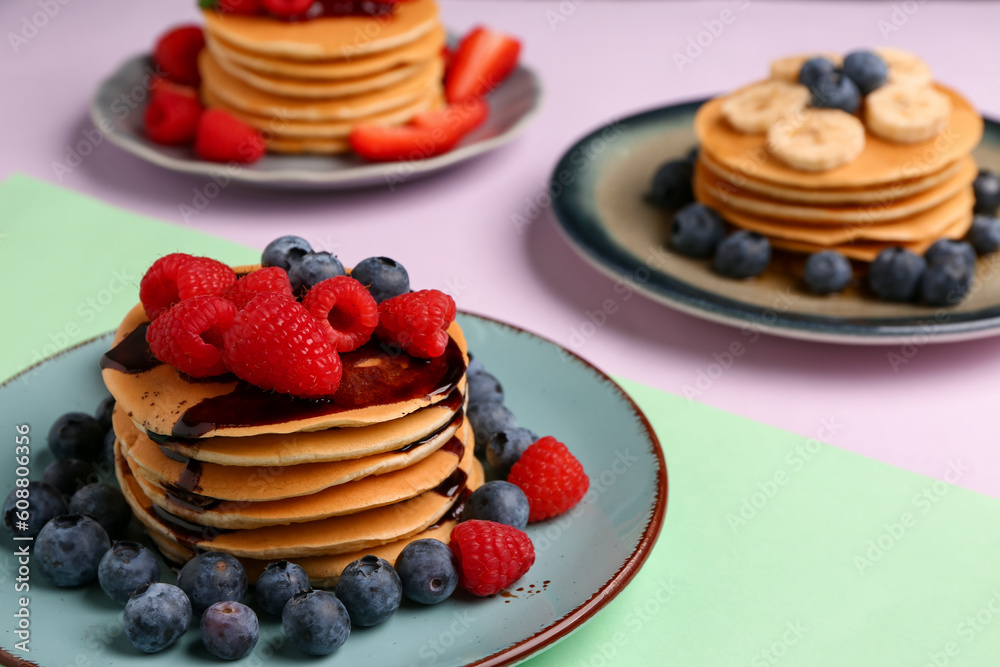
[[308, 146]]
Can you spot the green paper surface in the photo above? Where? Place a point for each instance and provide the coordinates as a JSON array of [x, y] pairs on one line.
[[776, 549]]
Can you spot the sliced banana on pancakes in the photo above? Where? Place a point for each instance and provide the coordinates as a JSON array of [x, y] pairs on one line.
[[817, 139], [907, 113], [788, 68], [754, 109], [905, 67]]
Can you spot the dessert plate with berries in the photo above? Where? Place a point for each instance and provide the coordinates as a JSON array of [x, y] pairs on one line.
[[318, 94], [788, 206], [255, 486]]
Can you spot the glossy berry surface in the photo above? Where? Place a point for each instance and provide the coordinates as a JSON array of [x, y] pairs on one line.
[[417, 322], [487, 419], [827, 272], [229, 630], [671, 185], [69, 549], [491, 556], [313, 268], [866, 69], [316, 622], [500, 502], [836, 91], [895, 274], [815, 69], [742, 254], [947, 248], [76, 435], [384, 277], [278, 583], [284, 251], [696, 230], [28, 508], [370, 590], [125, 567], [505, 448], [946, 282], [428, 571], [69, 475], [483, 388], [551, 477], [985, 233], [986, 188], [105, 504], [212, 577], [156, 617]]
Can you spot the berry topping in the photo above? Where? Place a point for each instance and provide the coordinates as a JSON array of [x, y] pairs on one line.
[[836, 91], [815, 69], [947, 281], [171, 118], [76, 435], [384, 277], [246, 7], [103, 412], [345, 310], [269, 280], [69, 475], [505, 447], [370, 590], [429, 134], [827, 272], [313, 268], [284, 251], [125, 567], [486, 419], [428, 571], [104, 504], [179, 276], [895, 274], [44, 503], [278, 583], [69, 549], [189, 335], [275, 343], [551, 477], [943, 249], [491, 556], [742, 254], [671, 186], [985, 233], [986, 188], [156, 616], [483, 387], [176, 54], [498, 501], [316, 622], [222, 137], [417, 322], [212, 577], [287, 8], [482, 60], [866, 69], [696, 230], [229, 630]]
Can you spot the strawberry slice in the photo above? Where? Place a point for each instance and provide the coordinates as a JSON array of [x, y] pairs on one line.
[[483, 59], [430, 133]]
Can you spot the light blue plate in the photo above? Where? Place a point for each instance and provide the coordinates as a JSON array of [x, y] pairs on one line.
[[117, 109], [584, 558]]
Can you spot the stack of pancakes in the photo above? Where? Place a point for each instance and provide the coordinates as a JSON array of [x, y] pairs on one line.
[[219, 465], [893, 194], [306, 84]]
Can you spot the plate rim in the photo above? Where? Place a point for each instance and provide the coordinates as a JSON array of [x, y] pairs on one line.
[[291, 177], [574, 223], [561, 628]]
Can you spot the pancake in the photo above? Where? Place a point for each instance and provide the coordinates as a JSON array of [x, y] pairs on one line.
[[378, 385], [325, 38], [308, 146], [876, 213], [882, 162], [421, 50]]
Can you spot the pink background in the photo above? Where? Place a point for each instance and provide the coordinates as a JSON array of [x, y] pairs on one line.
[[598, 61]]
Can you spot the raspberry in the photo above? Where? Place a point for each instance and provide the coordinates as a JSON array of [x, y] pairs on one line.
[[171, 117], [188, 336], [177, 277], [551, 477], [270, 280], [491, 556], [176, 54], [417, 322], [248, 7], [345, 310], [222, 137], [287, 7], [275, 343]]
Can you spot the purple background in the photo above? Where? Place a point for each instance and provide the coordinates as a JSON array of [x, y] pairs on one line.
[[598, 61]]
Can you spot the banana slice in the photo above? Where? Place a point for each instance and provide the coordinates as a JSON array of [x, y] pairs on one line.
[[752, 110], [787, 69], [907, 113], [905, 67], [817, 139]]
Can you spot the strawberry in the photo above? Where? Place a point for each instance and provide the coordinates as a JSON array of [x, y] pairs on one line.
[[222, 137], [483, 59], [171, 117], [430, 133], [176, 54]]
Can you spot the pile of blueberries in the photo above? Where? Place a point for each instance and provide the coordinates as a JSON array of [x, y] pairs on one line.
[[834, 87], [943, 276]]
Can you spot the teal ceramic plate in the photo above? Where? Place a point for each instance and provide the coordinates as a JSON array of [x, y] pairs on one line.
[[584, 558], [598, 190], [117, 110]]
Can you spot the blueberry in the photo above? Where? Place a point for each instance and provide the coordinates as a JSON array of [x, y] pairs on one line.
[[69, 475], [497, 501], [317, 622], [945, 248], [487, 419], [671, 186], [743, 254], [229, 630], [278, 583], [428, 571], [866, 69], [370, 590], [76, 435], [692, 154], [484, 388], [985, 233], [212, 577], [105, 504], [103, 412], [946, 282], [505, 448], [125, 567], [285, 250], [156, 616], [827, 272], [384, 277], [895, 274], [836, 91], [44, 502], [313, 268], [109, 448], [815, 69], [696, 230], [986, 187], [475, 366], [69, 549]]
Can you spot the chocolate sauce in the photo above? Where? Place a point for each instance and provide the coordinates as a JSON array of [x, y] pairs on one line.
[[188, 534], [455, 512], [370, 378], [174, 456], [187, 500], [190, 476], [337, 8], [453, 484], [457, 419], [132, 355], [454, 446]]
